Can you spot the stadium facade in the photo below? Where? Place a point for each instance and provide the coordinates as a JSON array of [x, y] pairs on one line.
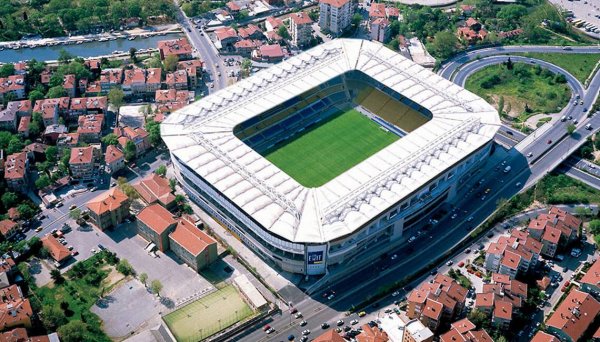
[[217, 146]]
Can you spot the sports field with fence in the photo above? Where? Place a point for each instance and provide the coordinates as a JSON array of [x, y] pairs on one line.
[[331, 148], [208, 315]]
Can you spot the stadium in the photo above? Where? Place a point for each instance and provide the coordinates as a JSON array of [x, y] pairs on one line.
[[331, 154]]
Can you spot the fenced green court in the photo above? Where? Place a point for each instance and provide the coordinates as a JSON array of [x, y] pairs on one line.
[[208, 315]]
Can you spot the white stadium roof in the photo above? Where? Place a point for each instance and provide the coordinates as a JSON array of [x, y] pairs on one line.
[[201, 135]]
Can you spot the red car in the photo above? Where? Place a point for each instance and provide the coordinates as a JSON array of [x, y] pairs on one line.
[[461, 264], [549, 142], [266, 327], [294, 310]]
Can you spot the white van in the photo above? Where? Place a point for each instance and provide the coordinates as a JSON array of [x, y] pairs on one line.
[[507, 169]]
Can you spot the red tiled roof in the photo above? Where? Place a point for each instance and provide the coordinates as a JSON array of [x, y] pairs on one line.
[[551, 235], [275, 22], [335, 3], [544, 337], [484, 300], [453, 336], [271, 51], [15, 166], [12, 83], [176, 77], [113, 154], [225, 32], [374, 334], [24, 124], [57, 251], [500, 278], [82, 155], [471, 22], [511, 260], [503, 310], [69, 81], [153, 75], [575, 314], [301, 18], [6, 226], [248, 31], [179, 46], [112, 76], [479, 336], [190, 237], [329, 336], [495, 248], [433, 309], [155, 188], [463, 325], [15, 309], [136, 75], [247, 43], [233, 6], [108, 201], [592, 276], [377, 10], [157, 218], [392, 11]]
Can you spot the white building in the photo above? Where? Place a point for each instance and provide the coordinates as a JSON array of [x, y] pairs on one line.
[[335, 15], [380, 30], [301, 28], [363, 211]]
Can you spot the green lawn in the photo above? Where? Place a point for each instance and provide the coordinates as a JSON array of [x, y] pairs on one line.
[[555, 189], [523, 91], [579, 65], [334, 146], [208, 315]]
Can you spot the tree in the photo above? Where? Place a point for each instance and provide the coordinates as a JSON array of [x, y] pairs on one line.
[[53, 317], [595, 227], [444, 44], [74, 331], [26, 211], [130, 150], [7, 69], [75, 213], [125, 268], [479, 318], [35, 95], [180, 199], [571, 129], [143, 278], [583, 211], [57, 91], [283, 32], [246, 66], [56, 276], [9, 199], [42, 182], [132, 54], [172, 184], [115, 97], [156, 286], [64, 57], [153, 129], [509, 64], [51, 154], [110, 139], [161, 170], [356, 19], [170, 63]]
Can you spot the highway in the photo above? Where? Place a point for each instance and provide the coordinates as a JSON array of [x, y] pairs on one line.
[[429, 245]]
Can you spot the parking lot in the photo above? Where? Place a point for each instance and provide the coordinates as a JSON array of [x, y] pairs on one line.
[[587, 10], [179, 281]]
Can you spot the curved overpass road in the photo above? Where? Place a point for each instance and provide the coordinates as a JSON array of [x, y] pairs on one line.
[[450, 66]]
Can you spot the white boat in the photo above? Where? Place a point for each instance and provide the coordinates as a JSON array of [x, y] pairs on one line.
[[79, 42], [132, 38]]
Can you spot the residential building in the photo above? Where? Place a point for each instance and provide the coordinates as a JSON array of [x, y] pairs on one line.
[[273, 24], [170, 100], [82, 85], [573, 316], [90, 127], [81, 162], [70, 85], [114, 159], [16, 167], [233, 7], [67, 140], [550, 241], [415, 331], [372, 334], [301, 28], [226, 37], [13, 85], [502, 315], [437, 302], [8, 118], [269, 53], [138, 135], [88, 105], [193, 68], [110, 78], [380, 30], [464, 331], [8, 228], [335, 15], [134, 81], [377, 10], [329, 336], [15, 309], [57, 251], [154, 223], [155, 189], [52, 132], [273, 37], [36, 151], [20, 335], [541, 336], [109, 209], [93, 89], [23, 128], [177, 80], [590, 282], [515, 254], [193, 246], [250, 32], [178, 47], [51, 109], [510, 264], [246, 46]]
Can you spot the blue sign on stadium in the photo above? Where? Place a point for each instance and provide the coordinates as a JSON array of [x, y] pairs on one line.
[[315, 258]]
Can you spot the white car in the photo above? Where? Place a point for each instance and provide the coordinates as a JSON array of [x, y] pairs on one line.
[[395, 294], [303, 323], [306, 332], [298, 315], [354, 322]]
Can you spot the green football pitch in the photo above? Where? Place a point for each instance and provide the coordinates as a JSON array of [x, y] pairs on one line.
[[330, 148], [208, 315]]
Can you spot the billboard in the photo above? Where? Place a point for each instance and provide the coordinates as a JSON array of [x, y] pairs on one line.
[[314, 258]]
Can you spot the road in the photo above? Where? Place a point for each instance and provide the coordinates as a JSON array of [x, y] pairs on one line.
[[208, 52], [448, 232], [450, 66]]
